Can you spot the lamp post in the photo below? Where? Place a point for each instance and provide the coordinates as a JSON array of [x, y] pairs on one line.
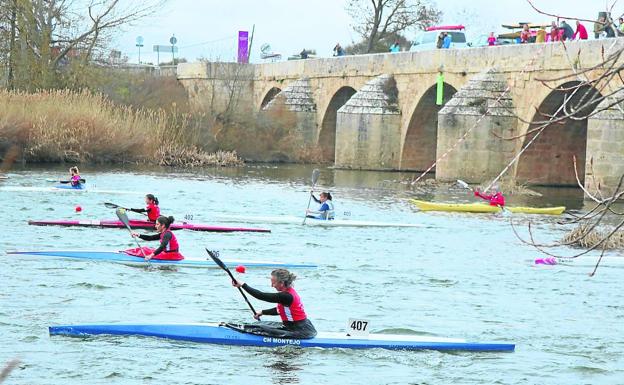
[[139, 44]]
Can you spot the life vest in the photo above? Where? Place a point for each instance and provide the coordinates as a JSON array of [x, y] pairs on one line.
[[153, 212], [172, 250], [295, 311], [329, 214], [497, 200], [75, 180]]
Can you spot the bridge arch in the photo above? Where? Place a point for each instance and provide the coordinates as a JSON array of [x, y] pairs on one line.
[[327, 133], [548, 160], [269, 95], [421, 138]]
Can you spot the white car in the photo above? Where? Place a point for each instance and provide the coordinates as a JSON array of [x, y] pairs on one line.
[[428, 39]]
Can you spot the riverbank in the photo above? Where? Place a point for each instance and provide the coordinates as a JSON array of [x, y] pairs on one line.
[[84, 127]]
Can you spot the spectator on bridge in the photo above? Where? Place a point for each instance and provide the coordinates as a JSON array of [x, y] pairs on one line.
[[567, 33], [446, 43], [581, 32], [304, 54], [554, 32], [621, 27], [540, 36], [395, 47], [491, 40], [338, 50], [609, 27], [599, 27], [440, 40], [525, 35]]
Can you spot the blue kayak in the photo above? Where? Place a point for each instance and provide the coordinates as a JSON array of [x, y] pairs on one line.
[[123, 258], [222, 335], [68, 186]]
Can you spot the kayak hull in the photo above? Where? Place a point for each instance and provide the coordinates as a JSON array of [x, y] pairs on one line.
[[484, 208], [312, 222], [123, 258], [68, 186], [221, 335], [140, 224]]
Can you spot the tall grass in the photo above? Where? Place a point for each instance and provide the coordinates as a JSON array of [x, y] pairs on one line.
[[64, 125]]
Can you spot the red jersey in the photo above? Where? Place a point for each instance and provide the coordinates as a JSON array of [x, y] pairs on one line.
[[153, 212], [295, 311]]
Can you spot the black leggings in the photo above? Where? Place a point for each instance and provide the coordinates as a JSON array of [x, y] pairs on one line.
[[297, 329]]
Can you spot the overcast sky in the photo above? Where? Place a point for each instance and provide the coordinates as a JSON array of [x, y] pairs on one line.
[[209, 28]]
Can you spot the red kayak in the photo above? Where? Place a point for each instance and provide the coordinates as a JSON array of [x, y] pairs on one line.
[[140, 224]]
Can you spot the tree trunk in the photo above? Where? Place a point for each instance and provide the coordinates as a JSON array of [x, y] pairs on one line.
[[13, 21]]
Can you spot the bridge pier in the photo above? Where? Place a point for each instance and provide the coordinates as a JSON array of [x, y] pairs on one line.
[[368, 127], [484, 107]]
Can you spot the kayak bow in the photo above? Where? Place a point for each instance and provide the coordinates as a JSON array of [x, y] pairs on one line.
[[126, 259], [222, 335]]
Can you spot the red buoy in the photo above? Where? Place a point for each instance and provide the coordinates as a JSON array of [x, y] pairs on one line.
[[78, 209], [240, 269]]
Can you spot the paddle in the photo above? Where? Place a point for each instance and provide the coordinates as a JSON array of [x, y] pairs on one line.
[[121, 214], [65, 181], [315, 176], [114, 206], [467, 186], [220, 263]]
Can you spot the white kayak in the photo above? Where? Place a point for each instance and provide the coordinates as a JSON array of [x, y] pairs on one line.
[[286, 219]]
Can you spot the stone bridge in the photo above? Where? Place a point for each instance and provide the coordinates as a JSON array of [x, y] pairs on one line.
[[470, 109]]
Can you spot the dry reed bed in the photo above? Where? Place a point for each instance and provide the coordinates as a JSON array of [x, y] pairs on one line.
[[586, 238], [54, 126]]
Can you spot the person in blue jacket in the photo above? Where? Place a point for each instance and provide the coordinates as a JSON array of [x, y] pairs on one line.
[[326, 210]]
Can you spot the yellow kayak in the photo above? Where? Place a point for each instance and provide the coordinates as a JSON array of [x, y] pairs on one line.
[[484, 208]]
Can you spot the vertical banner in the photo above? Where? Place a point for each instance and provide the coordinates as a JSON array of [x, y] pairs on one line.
[[440, 89], [243, 53]]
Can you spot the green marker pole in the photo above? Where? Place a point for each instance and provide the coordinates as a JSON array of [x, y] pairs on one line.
[[440, 89]]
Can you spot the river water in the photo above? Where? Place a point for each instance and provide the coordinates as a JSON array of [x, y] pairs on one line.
[[463, 275]]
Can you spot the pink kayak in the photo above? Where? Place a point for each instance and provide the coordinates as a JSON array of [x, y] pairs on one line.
[[140, 224]]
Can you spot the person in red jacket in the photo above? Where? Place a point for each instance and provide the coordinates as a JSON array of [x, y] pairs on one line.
[[169, 249], [495, 199], [581, 32], [152, 209]]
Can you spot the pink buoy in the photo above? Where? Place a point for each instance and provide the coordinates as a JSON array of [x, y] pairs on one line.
[[546, 261]]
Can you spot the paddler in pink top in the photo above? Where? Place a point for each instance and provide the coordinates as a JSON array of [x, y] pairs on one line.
[[75, 176], [295, 322], [495, 199], [169, 249]]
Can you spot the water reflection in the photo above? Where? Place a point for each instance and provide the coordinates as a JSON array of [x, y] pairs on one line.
[[284, 364]]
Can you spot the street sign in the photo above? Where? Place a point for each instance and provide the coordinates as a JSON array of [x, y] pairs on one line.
[[166, 48], [139, 41], [173, 40]]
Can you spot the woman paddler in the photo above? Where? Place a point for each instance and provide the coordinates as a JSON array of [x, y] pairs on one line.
[[74, 178], [168, 248], [326, 210], [152, 209], [295, 322], [495, 199]]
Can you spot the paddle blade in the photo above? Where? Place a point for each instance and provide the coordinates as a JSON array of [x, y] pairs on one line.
[[216, 260], [110, 205], [123, 217], [463, 184], [315, 175]]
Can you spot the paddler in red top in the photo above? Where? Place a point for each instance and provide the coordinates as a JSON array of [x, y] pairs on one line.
[[495, 199], [152, 209], [74, 178], [169, 248], [295, 323]]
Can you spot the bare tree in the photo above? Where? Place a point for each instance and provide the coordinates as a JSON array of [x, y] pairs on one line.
[[375, 20], [602, 227], [47, 34]]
